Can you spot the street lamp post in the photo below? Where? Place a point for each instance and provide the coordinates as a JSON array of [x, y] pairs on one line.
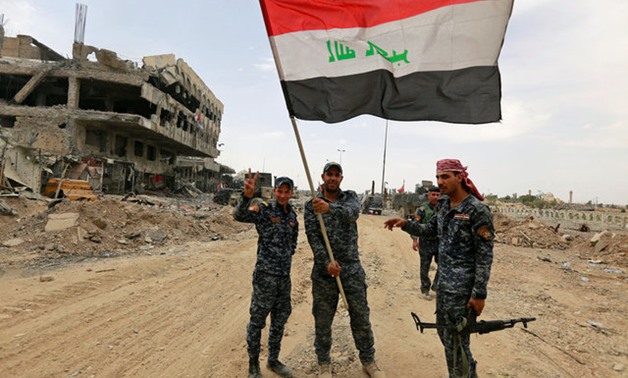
[[384, 160], [341, 151]]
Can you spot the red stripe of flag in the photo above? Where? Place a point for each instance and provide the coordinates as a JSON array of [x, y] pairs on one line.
[[283, 17]]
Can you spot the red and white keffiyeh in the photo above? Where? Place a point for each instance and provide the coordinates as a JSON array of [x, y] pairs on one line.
[[454, 165]]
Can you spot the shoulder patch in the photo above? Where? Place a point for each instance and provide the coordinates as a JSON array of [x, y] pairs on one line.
[[485, 233]]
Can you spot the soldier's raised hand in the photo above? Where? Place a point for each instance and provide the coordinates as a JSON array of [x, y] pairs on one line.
[[249, 184]]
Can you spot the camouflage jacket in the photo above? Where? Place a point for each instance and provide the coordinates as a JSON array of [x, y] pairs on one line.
[[465, 245], [277, 230], [426, 212], [342, 231]]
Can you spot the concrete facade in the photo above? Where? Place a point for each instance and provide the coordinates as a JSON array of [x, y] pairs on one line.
[[129, 127]]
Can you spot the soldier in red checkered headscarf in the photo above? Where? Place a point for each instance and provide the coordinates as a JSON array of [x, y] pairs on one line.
[[453, 165], [463, 225]]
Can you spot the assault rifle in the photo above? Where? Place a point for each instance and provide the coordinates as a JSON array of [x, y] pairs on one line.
[[469, 325]]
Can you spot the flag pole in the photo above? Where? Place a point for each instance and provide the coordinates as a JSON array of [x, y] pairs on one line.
[[319, 215]]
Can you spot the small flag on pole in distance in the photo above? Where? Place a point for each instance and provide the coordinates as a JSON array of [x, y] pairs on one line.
[[404, 60]]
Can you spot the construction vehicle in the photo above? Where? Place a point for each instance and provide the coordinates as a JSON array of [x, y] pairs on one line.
[[406, 203], [74, 190]]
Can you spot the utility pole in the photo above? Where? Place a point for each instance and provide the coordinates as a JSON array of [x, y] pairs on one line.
[[341, 151], [384, 162]]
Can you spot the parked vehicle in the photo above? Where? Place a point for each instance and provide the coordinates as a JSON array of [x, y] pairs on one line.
[[223, 196], [372, 204], [263, 191], [405, 204]]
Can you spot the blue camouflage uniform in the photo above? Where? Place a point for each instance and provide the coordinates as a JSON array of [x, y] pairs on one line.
[[465, 255], [428, 249], [277, 242], [342, 231]]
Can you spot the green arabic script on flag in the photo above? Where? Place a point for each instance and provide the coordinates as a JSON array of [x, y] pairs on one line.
[[341, 51]]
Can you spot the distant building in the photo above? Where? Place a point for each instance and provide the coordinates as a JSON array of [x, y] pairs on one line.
[[549, 197], [120, 127]]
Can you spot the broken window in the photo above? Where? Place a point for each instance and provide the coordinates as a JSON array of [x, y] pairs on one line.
[[167, 157], [50, 92], [212, 114], [7, 121], [164, 117], [113, 97], [138, 149], [181, 121], [120, 146], [151, 153], [96, 138], [11, 84]]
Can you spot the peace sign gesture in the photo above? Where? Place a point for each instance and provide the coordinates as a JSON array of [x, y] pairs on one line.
[[249, 184]]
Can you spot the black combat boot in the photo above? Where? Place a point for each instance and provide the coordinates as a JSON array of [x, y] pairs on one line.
[[254, 370], [279, 368]]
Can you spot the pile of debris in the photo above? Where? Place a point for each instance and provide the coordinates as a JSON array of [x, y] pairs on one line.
[[600, 248], [605, 247], [5, 209], [528, 233], [111, 226]]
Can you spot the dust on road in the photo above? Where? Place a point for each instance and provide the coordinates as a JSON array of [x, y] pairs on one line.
[[179, 307]]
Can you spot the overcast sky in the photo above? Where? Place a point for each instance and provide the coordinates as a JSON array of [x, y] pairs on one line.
[[564, 82]]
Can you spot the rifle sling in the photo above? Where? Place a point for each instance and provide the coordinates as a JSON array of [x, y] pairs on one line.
[[465, 360]]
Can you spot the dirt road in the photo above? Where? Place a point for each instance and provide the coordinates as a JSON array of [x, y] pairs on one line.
[[181, 311]]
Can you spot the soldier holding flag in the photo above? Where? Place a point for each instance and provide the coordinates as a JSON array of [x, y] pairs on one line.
[[340, 210]]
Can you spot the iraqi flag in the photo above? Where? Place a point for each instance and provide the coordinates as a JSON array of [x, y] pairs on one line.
[[403, 187], [404, 60]]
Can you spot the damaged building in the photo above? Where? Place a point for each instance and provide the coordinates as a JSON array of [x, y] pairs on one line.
[[101, 119]]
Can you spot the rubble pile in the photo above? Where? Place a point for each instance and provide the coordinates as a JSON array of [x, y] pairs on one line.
[[35, 231], [605, 247], [108, 227], [601, 248], [528, 233]]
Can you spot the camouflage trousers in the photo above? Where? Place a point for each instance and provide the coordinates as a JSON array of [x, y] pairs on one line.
[[325, 295], [426, 261], [271, 295], [449, 310]]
